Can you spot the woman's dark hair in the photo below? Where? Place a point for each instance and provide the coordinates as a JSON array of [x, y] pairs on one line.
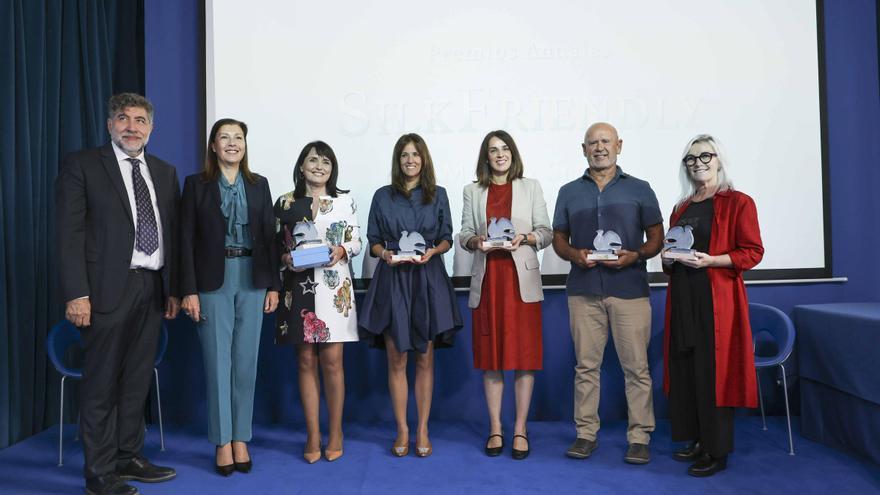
[[324, 150], [211, 170], [426, 176], [484, 171]]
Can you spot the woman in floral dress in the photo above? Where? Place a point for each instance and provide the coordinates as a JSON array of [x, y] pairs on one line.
[[317, 311]]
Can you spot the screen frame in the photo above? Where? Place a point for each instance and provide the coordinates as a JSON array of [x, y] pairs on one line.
[[559, 280]]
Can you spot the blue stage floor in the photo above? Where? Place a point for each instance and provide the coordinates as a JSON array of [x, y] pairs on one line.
[[761, 464]]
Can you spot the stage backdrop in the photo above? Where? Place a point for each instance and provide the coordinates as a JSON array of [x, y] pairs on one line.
[[175, 83], [61, 62]]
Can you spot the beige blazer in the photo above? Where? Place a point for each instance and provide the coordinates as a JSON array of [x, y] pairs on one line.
[[528, 215]]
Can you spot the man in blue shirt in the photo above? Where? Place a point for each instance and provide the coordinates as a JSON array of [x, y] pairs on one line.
[[607, 292]]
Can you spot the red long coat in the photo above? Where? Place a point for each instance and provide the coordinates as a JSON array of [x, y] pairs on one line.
[[735, 232]]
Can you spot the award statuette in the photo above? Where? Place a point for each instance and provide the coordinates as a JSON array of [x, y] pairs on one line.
[[309, 250], [501, 233], [677, 243], [410, 247], [605, 244]]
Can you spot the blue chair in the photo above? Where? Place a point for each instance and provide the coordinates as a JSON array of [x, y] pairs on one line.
[[773, 322], [58, 345]]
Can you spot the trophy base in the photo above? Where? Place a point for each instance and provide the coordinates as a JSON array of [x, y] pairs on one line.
[[312, 257], [406, 257], [602, 256], [501, 243], [679, 254]]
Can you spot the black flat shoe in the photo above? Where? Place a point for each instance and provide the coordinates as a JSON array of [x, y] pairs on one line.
[[224, 470], [494, 451], [520, 454], [244, 467], [690, 453], [707, 465]]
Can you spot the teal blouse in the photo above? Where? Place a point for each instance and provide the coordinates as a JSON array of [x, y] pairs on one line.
[[234, 206]]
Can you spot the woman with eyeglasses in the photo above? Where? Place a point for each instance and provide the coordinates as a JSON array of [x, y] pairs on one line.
[[316, 312], [708, 358]]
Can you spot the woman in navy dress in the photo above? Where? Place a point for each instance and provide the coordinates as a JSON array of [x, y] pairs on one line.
[[410, 306]]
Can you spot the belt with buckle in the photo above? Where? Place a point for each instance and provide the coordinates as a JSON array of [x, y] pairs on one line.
[[237, 252], [140, 269]]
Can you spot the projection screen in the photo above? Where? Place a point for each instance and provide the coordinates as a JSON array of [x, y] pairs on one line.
[[359, 74]]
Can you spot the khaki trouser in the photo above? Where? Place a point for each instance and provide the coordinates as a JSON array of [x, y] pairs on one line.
[[630, 321]]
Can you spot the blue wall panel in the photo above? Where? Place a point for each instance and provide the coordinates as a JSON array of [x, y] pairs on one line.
[[175, 84]]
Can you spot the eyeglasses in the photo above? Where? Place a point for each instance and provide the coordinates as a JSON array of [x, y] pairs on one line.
[[691, 160]]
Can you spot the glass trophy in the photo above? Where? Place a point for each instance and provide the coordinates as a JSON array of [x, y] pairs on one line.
[[309, 250], [501, 233], [677, 243], [410, 247], [606, 244]]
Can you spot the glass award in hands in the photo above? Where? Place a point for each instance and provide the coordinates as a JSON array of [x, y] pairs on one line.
[[606, 244], [309, 250], [410, 247], [677, 243], [501, 233]]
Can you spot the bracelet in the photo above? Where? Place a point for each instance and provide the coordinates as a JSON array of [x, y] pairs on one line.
[[382, 255]]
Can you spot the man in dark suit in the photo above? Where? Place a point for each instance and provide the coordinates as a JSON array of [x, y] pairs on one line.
[[117, 228]]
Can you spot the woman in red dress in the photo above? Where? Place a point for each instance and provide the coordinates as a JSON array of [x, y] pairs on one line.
[[505, 292]]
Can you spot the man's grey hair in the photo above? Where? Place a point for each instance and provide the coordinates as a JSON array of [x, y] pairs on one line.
[[121, 101]]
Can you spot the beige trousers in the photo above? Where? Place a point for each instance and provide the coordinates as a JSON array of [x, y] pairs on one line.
[[630, 323]]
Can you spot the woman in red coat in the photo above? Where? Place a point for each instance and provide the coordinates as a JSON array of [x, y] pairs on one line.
[[707, 347]]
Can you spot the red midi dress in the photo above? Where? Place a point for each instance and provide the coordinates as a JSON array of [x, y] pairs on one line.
[[506, 330]]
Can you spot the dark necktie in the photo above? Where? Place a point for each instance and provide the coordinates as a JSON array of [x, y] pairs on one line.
[[147, 233]]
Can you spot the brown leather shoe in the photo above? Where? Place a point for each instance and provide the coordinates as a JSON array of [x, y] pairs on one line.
[[637, 453], [582, 448], [400, 448]]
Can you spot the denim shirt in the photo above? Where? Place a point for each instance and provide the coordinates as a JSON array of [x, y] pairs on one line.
[[626, 205]]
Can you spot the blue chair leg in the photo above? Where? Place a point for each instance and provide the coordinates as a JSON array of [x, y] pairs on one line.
[[159, 405], [761, 401], [61, 425], [787, 414]]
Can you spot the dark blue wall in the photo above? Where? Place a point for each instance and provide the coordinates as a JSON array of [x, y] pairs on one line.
[[175, 85]]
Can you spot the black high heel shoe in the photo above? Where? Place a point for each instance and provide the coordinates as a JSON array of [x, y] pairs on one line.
[[223, 470], [520, 454], [244, 467], [494, 451]]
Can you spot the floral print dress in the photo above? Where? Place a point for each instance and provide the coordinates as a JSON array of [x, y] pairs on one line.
[[317, 305]]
